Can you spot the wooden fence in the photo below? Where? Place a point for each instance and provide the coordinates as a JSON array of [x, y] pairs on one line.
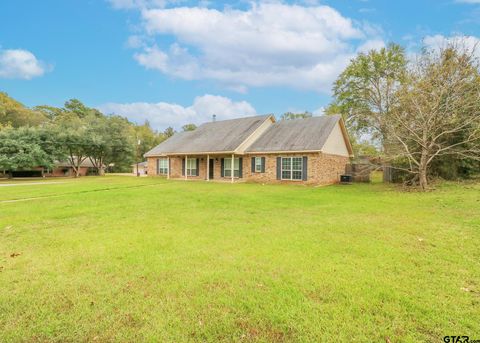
[[360, 172]]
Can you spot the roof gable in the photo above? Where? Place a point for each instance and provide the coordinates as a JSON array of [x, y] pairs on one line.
[[219, 136], [309, 134], [336, 144]]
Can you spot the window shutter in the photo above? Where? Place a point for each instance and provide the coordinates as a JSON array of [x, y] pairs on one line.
[[198, 167], [222, 167], [305, 167], [183, 167], [240, 167], [158, 166], [253, 165], [263, 164], [279, 168]]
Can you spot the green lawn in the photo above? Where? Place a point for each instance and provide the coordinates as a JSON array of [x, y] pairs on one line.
[[128, 259]]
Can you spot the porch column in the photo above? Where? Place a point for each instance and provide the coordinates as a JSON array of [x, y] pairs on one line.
[[208, 167], [232, 168], [186, 162], [168, 170]]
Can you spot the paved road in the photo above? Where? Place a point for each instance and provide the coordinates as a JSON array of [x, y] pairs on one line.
[[29, 184]]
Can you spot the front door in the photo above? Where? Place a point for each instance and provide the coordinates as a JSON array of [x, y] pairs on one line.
[[211, 164]]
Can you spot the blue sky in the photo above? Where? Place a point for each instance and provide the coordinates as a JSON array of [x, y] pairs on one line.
[[179, 61]]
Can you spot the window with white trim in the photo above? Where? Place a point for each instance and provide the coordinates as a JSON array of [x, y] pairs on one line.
[[227, 167], [192, 167], [258, 164], [292, 168], [163, 166]]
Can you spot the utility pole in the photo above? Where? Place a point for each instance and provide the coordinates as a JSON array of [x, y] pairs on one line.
[[138, 147]]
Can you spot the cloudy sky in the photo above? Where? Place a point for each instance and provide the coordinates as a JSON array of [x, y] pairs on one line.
[[178, 61]]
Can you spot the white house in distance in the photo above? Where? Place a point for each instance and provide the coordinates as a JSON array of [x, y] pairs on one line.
[[142, 168]]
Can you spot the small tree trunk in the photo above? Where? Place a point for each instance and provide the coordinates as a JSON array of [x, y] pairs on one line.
[[422, 171], [76, 171], [75, 167], [423, 179], [98, 163]]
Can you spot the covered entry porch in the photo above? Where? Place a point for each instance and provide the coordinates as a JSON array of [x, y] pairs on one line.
[[219, 167]]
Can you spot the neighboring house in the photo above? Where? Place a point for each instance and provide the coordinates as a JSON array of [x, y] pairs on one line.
[[142, 168], [64, 168], [312, 150]]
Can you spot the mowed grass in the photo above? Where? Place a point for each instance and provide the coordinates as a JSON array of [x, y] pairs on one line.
[[146, 259]]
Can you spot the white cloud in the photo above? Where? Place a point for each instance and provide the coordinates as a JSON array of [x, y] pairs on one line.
[[319, 111], [269, 44], [133, 4], [470, 43], [375, 44], [162, 114], [20, 64], [135, 42]]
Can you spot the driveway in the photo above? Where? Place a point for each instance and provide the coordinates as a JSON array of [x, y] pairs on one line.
[[29, 184]]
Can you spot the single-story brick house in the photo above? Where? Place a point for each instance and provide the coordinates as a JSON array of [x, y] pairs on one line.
[[60, 169], [65, 168], [312, 150]]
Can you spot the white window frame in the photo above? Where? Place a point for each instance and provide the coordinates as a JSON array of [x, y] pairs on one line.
[[192, 167], [163, 166], [236, 168], [258, 164], [291, 170]]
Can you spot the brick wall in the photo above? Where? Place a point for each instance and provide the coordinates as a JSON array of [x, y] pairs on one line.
[[330, 167], [152, 166], [321, 168], [176, 167], [66, 171]]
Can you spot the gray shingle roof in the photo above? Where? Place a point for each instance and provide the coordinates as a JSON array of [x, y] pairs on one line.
[[308, 134], [220, 136], [86, 163]]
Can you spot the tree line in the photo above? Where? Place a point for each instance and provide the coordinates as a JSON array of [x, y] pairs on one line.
[[43, 135], [420, 115]]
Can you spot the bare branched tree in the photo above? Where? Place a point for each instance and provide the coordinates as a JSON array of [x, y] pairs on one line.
[[438, 110]]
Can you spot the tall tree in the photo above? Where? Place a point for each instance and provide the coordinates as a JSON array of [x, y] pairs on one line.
[[438, 110], [189, 127], [110, 141], [291, 115], [71, 133], [169, 132], [49, 112], [148, 138], [78, 108], [364, 93], [16, 114], [25, 148]]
